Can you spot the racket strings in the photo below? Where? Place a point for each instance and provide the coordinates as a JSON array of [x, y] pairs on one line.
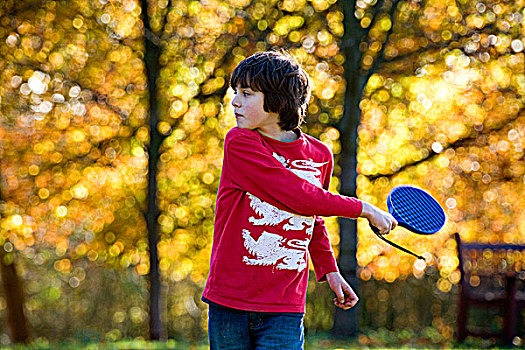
[[417, 209]]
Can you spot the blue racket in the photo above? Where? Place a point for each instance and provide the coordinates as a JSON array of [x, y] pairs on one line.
[[415, 210]]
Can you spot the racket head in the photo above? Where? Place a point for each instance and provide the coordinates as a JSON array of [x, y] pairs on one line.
[[415, 209]]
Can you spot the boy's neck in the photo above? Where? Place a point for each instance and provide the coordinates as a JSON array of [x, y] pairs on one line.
[[280, 135]]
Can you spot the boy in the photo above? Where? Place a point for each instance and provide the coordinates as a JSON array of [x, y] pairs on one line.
[[273, 185]]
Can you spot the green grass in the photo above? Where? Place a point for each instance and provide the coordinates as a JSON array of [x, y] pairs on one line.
[[316, 342], [120, 345]]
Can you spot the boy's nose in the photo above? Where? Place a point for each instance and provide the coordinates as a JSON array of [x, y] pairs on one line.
[[235, 102]]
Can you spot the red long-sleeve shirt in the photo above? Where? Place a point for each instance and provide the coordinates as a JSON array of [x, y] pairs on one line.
[[266, 225]]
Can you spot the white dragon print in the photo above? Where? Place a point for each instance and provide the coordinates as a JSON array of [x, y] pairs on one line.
[[270, 248], [305, 169], [271, 216]]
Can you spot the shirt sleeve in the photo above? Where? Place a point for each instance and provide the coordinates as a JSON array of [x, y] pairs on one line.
[[321, 252], [253, 168], [320, 248]]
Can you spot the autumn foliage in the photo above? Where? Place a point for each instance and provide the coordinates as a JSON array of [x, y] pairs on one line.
[[442, 109]]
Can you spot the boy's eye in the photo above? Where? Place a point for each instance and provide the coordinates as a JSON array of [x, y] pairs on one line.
[[243, 92]]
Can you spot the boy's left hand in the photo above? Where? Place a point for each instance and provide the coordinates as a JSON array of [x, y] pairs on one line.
[[346, 297]]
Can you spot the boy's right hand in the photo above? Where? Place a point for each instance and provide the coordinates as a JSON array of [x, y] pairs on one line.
[[378, 218]]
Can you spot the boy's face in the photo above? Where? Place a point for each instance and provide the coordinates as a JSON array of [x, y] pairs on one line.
[[249, 111]]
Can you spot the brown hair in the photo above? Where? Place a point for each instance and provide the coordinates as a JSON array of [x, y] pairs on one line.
[[283, 82]]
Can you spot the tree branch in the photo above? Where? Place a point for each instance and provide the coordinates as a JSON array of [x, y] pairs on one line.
[[20, 6], [438, 46], [380, 56], [454, 145]]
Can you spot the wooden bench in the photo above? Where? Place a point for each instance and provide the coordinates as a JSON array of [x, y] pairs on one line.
[[490, 281]]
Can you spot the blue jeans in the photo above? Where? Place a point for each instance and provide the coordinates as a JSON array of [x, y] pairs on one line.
[[244, 330]]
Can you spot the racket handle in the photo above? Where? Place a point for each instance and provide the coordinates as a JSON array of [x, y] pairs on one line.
[[378, 234]]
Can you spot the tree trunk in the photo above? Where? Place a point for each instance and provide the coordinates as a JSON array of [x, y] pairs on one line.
[[13, 292], [152, 54], [16, 322], [346, 322]]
